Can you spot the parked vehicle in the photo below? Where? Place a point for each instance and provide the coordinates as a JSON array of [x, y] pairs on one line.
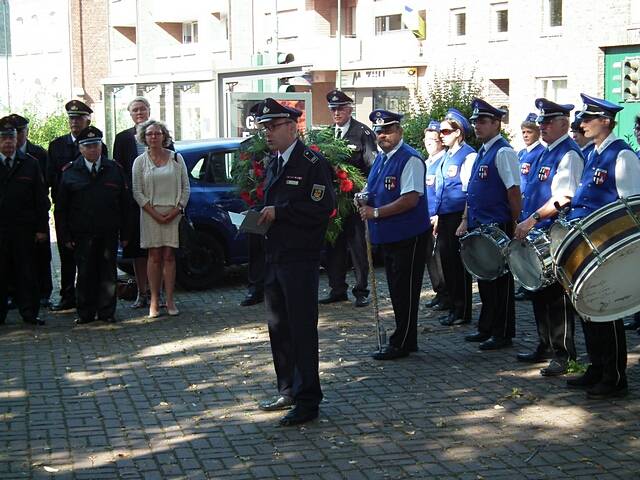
[[217, 242]]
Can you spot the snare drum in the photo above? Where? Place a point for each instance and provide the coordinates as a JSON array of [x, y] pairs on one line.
[[598, 262], [557, 232], [482, 252], [530, 260]]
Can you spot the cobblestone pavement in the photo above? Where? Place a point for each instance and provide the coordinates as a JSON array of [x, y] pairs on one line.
[[176, 397]]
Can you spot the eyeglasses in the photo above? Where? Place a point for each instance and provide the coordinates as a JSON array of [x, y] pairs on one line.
[[270, 127], [446, 131], [338, 109], [153, 134]]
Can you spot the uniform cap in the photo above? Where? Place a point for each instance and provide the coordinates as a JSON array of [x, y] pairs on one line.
[[19, 121], [483, 109], [269, 110], [599, 107], [337, 98], [380, 118], [457, 116], [76, 108], [434, 126], [89, 135], [7, 127], [549, 109]]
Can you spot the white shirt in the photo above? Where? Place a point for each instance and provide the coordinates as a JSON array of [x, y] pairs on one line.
[[507, 164], [467, 165], [3, 159], [627, 169], [287, 153], [436, 156], [343, 129], [533, 145], [413, 173], [89, 165], [569, 172]]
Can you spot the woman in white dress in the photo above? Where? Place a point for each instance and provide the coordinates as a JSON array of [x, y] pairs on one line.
[[160, 186]]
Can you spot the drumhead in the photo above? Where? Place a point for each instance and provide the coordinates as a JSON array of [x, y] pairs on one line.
[[557, 234], [482, 257], [525, 265], [610, 291]]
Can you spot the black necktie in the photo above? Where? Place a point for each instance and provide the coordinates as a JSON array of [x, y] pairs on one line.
[[280, 164], [8, 162], [94, 171]]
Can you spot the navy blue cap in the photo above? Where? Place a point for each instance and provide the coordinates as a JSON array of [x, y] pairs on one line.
[[483, 109], [434, 126], [599, 107], [549, 109], [76, 108], [269, 110], [89, 135], [575, 125], [19, 121], [7, 127], [457, 116], [380, 118], [337, 98], [531, 118]]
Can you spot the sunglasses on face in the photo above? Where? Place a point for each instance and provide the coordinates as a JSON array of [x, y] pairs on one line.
[[446, 131]]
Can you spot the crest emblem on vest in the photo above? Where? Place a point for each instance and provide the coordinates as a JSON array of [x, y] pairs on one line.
[[543, 173], [599, 176], [317, 192], [483, 172], [431, 179], [452, 171], [390, 183], [525, 168]]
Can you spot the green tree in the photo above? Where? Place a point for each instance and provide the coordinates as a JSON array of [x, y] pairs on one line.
[[44, 129]]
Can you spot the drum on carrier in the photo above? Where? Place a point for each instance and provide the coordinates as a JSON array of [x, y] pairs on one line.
[[530, 260], [598, 260], [482, 252]]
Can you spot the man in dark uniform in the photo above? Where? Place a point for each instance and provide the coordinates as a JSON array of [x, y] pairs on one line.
[[493, 197], [611, 171], [351, 241], [62, 152], [91, 207], [398, 217], [299, 199], [24, 220], [553, 179], [43, 249]]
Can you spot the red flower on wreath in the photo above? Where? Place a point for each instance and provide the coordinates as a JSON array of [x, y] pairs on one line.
[[334, 213], [245, 156], [258, 170], [314, 147], [260, 192], [346, 186], [247, 198], [341, 174]]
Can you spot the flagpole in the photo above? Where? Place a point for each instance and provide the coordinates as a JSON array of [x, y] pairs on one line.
[[339, 79]]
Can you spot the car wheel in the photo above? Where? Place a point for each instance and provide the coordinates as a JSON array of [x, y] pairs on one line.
[[200, 264]]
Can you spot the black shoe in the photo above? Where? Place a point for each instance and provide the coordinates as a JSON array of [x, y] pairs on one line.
[[279, 403], [333, 299], [448, 320], [34, 321], [390, 353], [62, 306], [442, 307], [298, 415], [11, 305], [433, 302], [361, 302], [45, 302], [602, 391], [252, 300], [588, 379], [82, 321], [632, 324], [495, 343], [108, 319], [477, 337], [537, 356], [555, 368]]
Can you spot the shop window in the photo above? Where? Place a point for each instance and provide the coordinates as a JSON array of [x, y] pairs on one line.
[[393, 99], [389, 23]]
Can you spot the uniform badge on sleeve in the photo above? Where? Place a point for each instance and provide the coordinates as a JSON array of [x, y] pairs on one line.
[[390, 183], [317, 192], [525, 168], [483, 172], [599, 176], [543, 173], [452, 171]]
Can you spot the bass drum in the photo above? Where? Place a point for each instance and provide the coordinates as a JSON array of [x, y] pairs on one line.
[[482, 252], [598, 261], [530, 260]]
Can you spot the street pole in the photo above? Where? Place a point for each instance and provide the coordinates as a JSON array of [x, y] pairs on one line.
[[5, 7], [339, 79]]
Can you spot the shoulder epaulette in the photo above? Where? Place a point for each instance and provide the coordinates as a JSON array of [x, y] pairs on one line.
[[310, 155], [65, 167]]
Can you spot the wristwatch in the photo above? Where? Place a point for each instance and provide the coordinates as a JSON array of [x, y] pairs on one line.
[[376, 213], [536, 216]]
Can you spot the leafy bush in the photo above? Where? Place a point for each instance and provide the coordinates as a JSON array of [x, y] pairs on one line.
[[43, 130]]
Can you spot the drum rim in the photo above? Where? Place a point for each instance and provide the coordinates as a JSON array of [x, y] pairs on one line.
[[541, 277], [479, 232]]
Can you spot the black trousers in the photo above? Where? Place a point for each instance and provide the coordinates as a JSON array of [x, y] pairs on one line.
[[351, 242], [404, 263], [498, 313], [555, 321], [67, 268], [18, 267], [97, 275], [255, 270], [291, 298], [434, 267], [458, 280], [606, 344], [43, 267]]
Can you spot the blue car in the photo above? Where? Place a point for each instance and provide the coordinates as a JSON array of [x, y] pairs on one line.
[[216, 241]]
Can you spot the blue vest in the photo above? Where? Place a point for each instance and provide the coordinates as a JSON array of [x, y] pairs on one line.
[[527, 159], [449, 195], [538, 188], [487, 200], [587, 150], [384, 187], [597, 187], [432, 168], [638, 154]]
